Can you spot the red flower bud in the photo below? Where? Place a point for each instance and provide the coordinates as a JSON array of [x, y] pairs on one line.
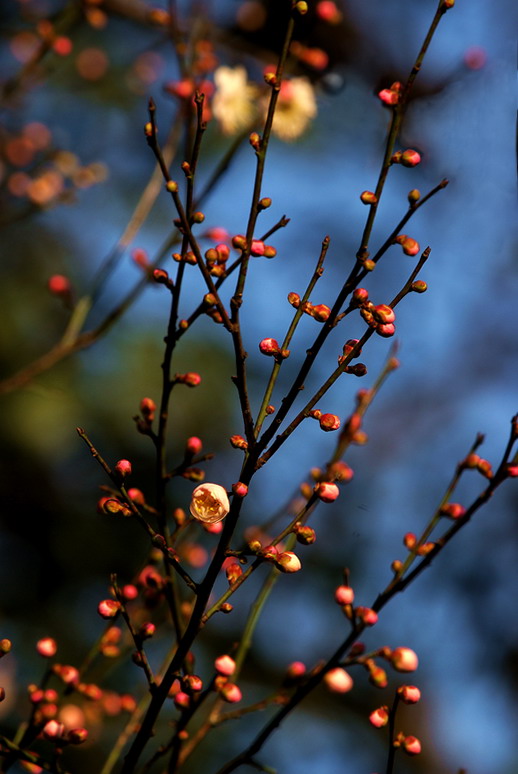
[[410, 158], [379, 717], [47, 647], [269, 347], [329, 422], [108, 608], [410, 694], [123, 468], [411, 745], [327, 491], [344, 595]]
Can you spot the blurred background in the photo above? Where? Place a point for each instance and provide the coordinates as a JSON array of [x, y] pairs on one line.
[[74, 163]]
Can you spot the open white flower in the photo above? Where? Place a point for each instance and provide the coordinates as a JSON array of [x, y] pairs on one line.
[[209, 503], [295, 108], [234, 103]]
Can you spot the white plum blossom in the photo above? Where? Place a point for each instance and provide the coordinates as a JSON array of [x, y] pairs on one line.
[[234, 103], [209, 503], [296, 107]]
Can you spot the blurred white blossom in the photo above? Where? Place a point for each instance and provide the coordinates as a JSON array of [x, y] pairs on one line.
[[234, 103]]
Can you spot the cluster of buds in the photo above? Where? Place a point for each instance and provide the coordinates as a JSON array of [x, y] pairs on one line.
[[391, 96], [453, 510], [411, 542], [270, 348], [257, 246], [474, 462], [57, 732], [381, 317], [216, 259], [319, 312], [225, 667], [187, 257]]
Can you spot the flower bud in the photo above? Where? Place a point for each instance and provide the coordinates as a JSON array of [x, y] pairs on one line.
[[191, 379], [295, 670], [419, 286], [193, 445], [453, 510], [209, 503], [231, 693], [238, 442], [108, 608], [329, 422], [47, 647], [53, 730], [410, 158], [225, 665], [404, 660], [294, 299], [182, 700], [360, 296], [269, 347], [414, 195], [123, 468], [269, 251], [257, 247], [321, 312], [380, 717], [171, 186], [367, 197], [233, 571], [5, 647], [411, 745], [338, 680], [239, 241], [288, 562], [386, 330], [136, 496], [366, 615], [148, 408], [240, 489], [384, 313], [327, 491], [305, 535], [410, 694], [344, 595], [340, 471], [77, 735]]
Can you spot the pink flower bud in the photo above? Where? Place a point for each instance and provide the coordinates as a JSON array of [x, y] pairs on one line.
[[338, 680], [411, 745], [410, 694], [295, 670], [225, 665], [387, 330], [410, 158], [146, 630], [360, 296], [340, 471], [191, 379], [47, 647], [329, 422], [288, 562], [123, 468], [68, 674], [379, 717], [453, 510], [257, 247], [384, 313], [327, 491], [108, 608], [209, 503], [344, 595], [193, 445], [231, 693], [136, 496], [240, 489], [368, 616], [389, 97], [53, 729], [269, 347], [182, 700], [404, 660]]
